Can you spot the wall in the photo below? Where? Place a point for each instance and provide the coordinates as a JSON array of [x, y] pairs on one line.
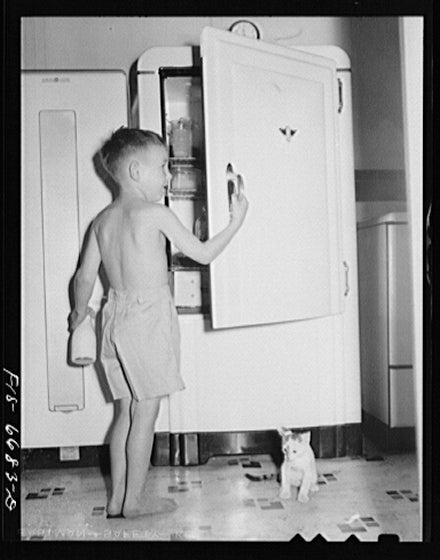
[[378, 116], [377, 92], [116, 42]]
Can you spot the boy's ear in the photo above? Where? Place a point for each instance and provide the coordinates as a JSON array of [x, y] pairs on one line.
[[133, 169]]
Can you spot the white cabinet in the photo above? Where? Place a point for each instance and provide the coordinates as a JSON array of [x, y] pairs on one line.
[[385, 322], [66, 116], [273, 336]]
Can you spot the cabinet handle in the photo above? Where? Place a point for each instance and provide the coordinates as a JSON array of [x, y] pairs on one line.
[[347, 286]]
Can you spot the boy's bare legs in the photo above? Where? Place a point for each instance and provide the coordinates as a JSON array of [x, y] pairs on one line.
[[139, 445], [118, 461]]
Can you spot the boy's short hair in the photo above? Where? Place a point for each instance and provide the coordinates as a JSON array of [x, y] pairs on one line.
[[124, 141]]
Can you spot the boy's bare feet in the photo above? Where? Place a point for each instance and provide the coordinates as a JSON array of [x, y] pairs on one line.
[[114, 508], [151, 505]]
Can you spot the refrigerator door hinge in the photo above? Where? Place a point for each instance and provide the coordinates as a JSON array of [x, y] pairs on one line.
[[341, 101]]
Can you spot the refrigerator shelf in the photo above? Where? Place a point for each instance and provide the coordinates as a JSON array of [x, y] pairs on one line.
[[195, 266], [187, 194]]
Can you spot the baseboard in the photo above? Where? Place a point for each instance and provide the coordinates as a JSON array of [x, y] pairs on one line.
[[390, 440], [196, 448]]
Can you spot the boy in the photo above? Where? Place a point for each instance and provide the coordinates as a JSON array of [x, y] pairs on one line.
[[140, 331]]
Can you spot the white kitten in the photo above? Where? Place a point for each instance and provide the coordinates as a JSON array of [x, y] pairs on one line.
[[299, 466]]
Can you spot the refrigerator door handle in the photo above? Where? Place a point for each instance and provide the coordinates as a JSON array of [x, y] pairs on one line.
[[347, 285], [234, 183]]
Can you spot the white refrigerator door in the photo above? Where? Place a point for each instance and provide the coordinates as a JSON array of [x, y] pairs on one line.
[[271, 112]]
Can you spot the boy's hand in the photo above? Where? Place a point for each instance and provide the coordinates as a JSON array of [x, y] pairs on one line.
[[239, 203]]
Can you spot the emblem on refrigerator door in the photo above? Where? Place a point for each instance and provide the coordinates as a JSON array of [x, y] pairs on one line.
[[288, 132]]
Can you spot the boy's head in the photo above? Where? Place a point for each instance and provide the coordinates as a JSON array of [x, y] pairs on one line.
[[126, 142]]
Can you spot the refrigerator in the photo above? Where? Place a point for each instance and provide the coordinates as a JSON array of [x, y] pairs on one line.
[[386, 331], [269, 330], [66, 116]]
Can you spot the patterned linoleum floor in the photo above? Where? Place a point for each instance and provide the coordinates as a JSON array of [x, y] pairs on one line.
[[233, 498]]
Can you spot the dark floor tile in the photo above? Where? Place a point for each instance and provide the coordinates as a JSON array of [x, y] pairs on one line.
[[177, 489], [177, 537], [346, 528], [273, 505], [249, 502], [251, 465]]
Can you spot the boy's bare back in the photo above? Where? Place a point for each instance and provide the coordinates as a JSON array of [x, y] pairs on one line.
[[131, 245]]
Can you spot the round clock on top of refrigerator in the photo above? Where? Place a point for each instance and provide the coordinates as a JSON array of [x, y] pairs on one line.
[[245, 28]]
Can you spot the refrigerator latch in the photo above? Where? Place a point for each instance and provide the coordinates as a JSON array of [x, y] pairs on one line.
[[341, 102]]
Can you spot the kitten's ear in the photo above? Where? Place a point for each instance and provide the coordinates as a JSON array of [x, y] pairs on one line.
[[305, 437]]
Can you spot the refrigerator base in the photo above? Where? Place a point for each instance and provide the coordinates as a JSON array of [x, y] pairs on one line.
[[196, 448]]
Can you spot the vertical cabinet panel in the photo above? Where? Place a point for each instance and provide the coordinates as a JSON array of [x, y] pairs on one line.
[[400, 339], [373, 311], [287, 154], [66, 116], [59, 190]]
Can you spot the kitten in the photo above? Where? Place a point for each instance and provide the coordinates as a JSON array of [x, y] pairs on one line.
[[299, 467]]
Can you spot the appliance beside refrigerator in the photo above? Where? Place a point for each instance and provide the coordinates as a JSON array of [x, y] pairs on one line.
[[270, 328], [66, 116], [386, 331]]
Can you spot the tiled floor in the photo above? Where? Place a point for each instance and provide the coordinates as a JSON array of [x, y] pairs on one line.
[[231, 498]]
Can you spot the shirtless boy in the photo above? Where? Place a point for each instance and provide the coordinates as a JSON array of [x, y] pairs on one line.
[[140, 332]]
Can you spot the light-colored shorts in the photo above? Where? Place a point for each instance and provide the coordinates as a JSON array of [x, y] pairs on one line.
[[140, 348]]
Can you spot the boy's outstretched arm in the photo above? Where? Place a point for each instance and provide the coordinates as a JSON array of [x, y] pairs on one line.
[[84, 280], [201, 251]]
